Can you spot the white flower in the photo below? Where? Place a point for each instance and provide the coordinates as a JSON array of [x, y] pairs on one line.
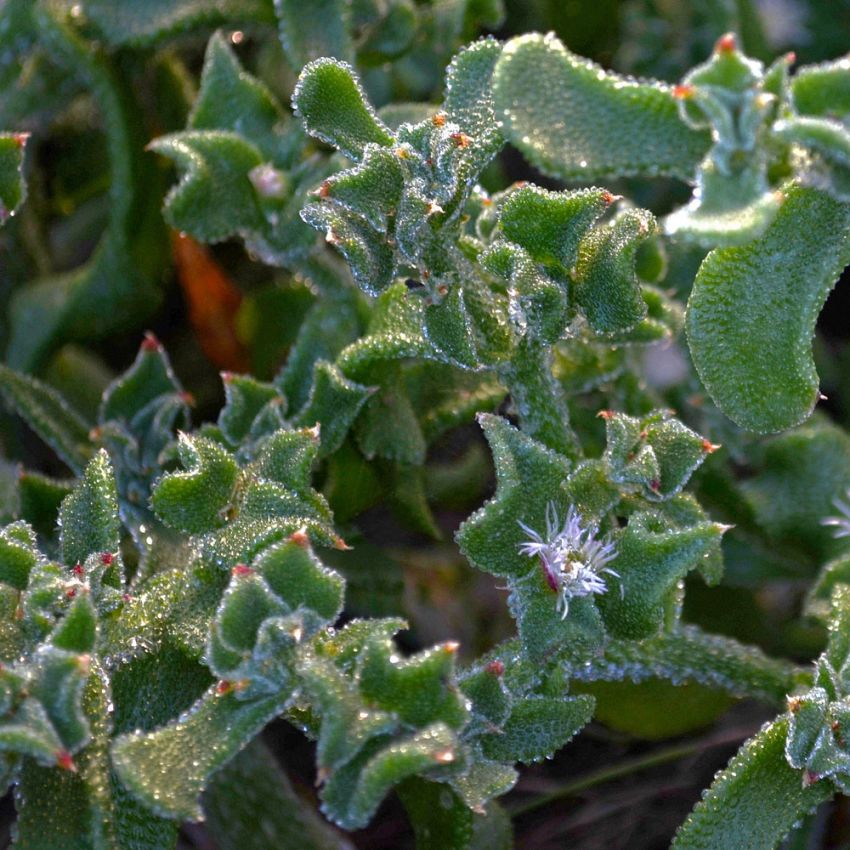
[[571, 555], [842, 523]]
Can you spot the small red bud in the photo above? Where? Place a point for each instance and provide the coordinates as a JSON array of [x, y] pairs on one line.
[[70, 592], [605, 414], [340, 544], [439, 119], [726, 43], [151, 343], [20, 139], [683, 92], [65, 762], [708, 447], [300, 538], [223, 687], [495, 668], [107, 558], [77, 569], [655, 485], [127, 597], [790, 57], [242, 570], [460, 139]]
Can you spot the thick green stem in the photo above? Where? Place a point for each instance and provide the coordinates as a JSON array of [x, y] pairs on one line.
[[539, 400], [689, 654]]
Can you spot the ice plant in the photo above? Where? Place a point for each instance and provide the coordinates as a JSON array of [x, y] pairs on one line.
[[181, 584], [572, 556]]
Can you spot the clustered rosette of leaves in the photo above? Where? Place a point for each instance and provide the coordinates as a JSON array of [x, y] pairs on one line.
[[188, 585]]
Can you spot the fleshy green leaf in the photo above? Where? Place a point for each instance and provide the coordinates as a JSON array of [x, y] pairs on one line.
[[88, 517], [333, 404], [528, 477], [353, 793], [318, 29], [655, 453], [728, 209], [822, 89], [607, 290], [246, 399], [366, 251], [194, 500], [650, 562], [573, 120], [77, 630], [551, 225], [30, 732], [47, 413], [148, 378], [755, 801], [346, 723], [215, 166], [334, 109], [469, 100], [18, 555], [127, 22], [295, 574], [169, 768], [755, 306], [372, 189], [230, 99], [538, 727], [418, 689]]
